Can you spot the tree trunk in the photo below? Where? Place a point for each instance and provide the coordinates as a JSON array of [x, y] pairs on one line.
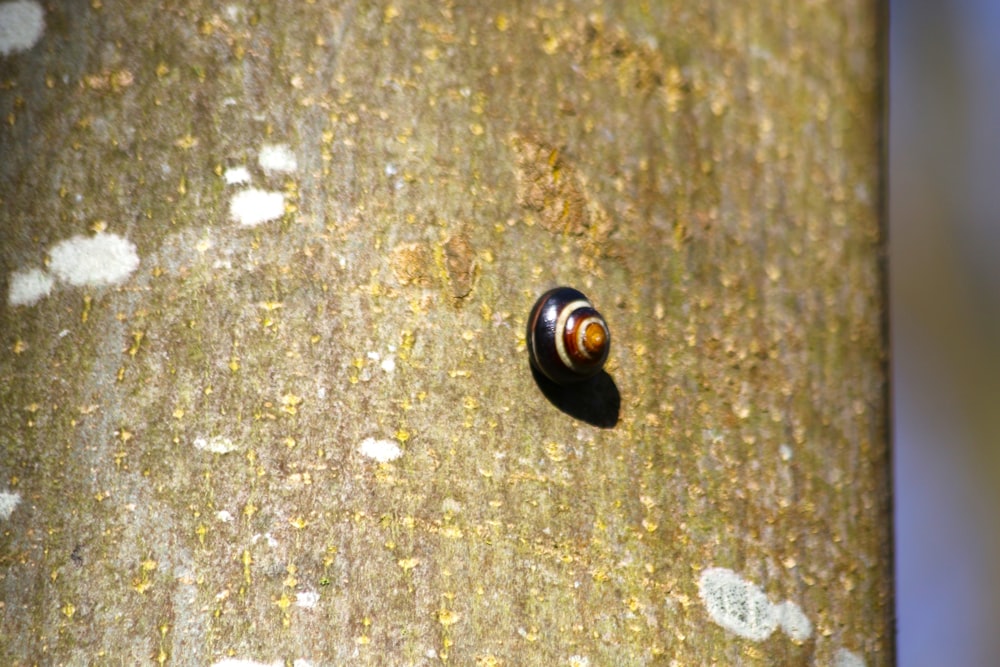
[[266, 395]]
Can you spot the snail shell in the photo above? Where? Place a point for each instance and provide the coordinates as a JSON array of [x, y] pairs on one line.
[[568, 340]]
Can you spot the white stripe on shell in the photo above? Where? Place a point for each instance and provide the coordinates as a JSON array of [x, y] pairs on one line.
[[564, 314]]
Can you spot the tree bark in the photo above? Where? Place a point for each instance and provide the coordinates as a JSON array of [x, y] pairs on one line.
[[266, 391]]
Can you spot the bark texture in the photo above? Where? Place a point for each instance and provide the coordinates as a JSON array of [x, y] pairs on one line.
[[266, 395]]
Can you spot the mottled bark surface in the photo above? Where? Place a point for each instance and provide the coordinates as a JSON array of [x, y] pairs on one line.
[[303, 426]]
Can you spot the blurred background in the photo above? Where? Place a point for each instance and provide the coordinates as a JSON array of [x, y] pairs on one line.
[[944, 231]]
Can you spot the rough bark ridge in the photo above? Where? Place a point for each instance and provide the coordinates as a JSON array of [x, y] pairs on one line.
[[266, 269]]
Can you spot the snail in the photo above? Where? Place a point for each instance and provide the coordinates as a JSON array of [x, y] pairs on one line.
[[568, 340]]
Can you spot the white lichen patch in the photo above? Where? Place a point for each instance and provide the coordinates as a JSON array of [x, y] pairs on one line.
[[224, 516], [29, 286], [216, 444], [21, 25], [736, 604], [388, 364], [382, 451], [277, 157], [237, 176], [579, 661], [793, 621], [8, 502], [100, 260], [252, 207], [307, 599], [743, 608], [845, 658]]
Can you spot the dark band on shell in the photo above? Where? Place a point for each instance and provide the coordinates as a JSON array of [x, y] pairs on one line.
[[568, 340]]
